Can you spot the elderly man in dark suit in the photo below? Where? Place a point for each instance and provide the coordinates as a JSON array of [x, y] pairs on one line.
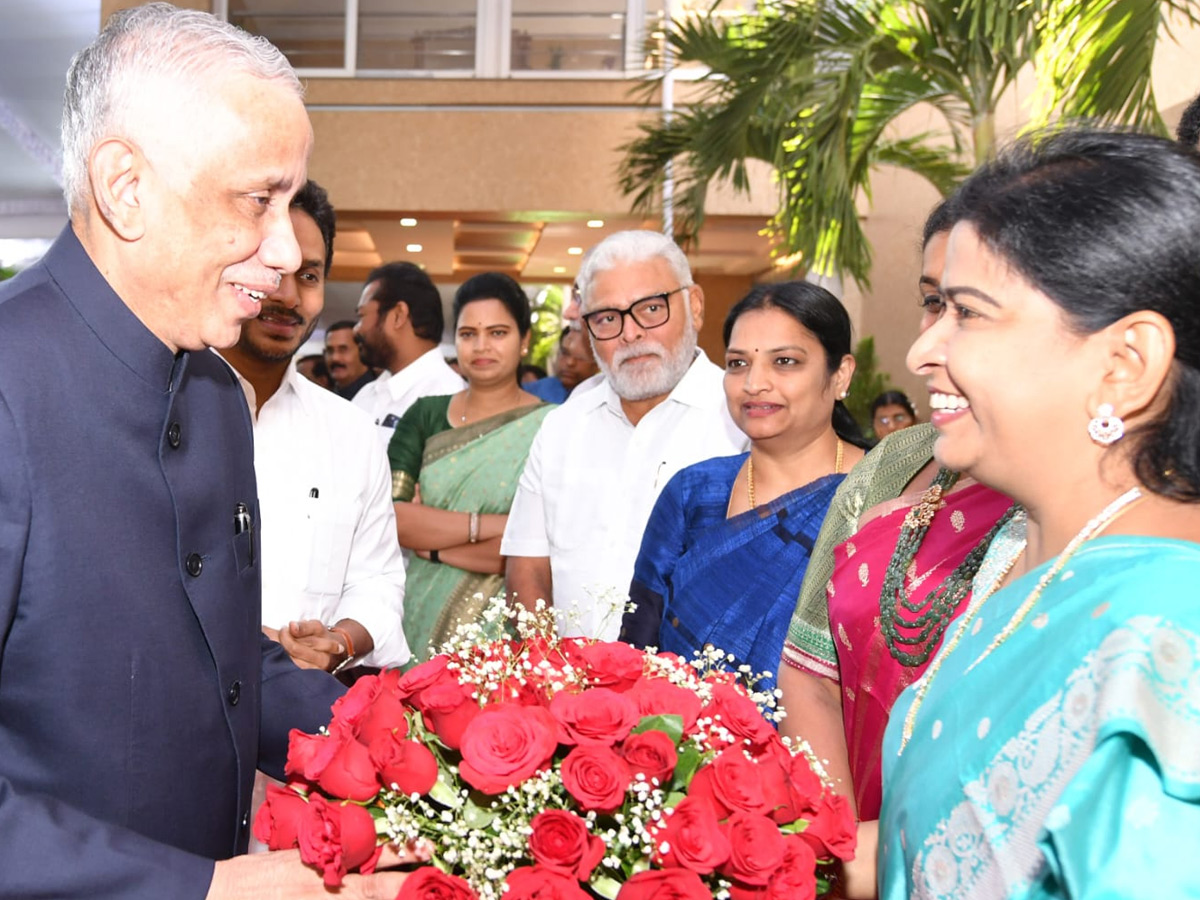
[[137, 694]]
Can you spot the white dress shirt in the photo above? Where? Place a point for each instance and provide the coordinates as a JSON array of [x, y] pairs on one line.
[[329, 545], [387, 398], [591, 480]]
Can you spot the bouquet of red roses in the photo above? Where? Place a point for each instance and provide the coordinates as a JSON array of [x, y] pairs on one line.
[[548, 768]]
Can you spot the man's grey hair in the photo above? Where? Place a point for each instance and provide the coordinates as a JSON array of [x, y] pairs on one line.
[[624, 247], [144, 46]]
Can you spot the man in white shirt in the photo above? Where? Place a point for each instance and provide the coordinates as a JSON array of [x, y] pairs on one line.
[[600, 460], [399, 328], [332, 573]]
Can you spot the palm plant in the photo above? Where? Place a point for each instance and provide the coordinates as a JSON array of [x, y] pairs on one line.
[[814, 88]]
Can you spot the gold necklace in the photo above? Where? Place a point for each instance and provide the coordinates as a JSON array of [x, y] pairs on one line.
[[462, 420], [1102, 520], [837, 470]]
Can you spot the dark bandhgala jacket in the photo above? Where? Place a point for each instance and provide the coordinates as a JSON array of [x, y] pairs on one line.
[[137, 693]]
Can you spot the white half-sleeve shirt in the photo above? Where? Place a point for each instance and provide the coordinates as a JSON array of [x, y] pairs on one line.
[[591, 480], [390, 395], [329, 545]]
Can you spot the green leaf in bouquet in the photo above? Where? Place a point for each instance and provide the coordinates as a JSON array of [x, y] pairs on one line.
[[690, 759], [669, 724], [606, 887], [443, 791], [794, 827], [475, 816]]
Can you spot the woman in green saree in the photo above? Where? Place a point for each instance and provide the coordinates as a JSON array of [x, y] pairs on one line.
[[455, 463]]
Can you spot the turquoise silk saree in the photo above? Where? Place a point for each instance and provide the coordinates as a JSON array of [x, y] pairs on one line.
[[1065, 761]]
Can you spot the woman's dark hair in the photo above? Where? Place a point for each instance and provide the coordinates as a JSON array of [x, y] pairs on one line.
[[819, 312], [1106, 223], [893, 398], [495, 286]]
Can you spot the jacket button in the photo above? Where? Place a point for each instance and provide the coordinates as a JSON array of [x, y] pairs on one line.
[[235, 693], [194, 564], [174, 435], [674, 621]]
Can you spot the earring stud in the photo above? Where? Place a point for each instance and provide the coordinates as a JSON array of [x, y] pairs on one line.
[[1106, 427]]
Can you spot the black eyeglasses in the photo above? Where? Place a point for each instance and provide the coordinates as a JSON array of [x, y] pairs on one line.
[[649, 312]]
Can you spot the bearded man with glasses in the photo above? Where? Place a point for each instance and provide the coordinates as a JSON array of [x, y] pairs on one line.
[[599, 461]]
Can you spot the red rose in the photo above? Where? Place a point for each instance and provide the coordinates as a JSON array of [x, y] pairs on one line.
[[657, 696], [596, 777], [369, 709], [505, 744], [421, 676], [336, 762], [652, 754], [409, 765], [431, 883], [337, 839], [279, 817], [755, 848], [796, 878], [737, 713], [833, 831], [449, 708], [561, 841], [597, 716], [613, 664], [790, 783], [693, 839], [730, 782], [541, 883], [664, 884]]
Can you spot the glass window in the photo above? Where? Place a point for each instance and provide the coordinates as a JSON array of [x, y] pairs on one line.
[[416, 35], [311, 33], [553, 35]]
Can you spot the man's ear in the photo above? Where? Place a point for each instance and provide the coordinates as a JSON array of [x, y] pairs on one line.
[[1139, 350], [397, 316], [695, 296], [116, 169]]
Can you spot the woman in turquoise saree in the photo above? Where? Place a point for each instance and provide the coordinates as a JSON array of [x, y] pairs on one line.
[[455, 464], [1052, 747]]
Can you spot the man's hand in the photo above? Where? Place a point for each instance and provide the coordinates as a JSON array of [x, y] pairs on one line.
[[311, 645], [280, 875]]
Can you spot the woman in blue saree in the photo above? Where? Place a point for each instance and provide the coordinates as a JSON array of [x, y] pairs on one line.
[[726, 545], [1052, 748]]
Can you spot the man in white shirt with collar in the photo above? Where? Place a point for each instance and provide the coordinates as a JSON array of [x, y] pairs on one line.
[[400, 325], [600, 460], [332, 573]]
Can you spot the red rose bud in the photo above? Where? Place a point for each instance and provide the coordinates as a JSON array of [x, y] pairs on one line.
[[407, 765], [596, 777], [664, 884], [739, 716], [833, 830], [657, 696], [504, 745], [449, 708], [371, 709], [352, 705], [597, 716], [561, 841], [731, 782], [693, 838], [421, 676], [278, 819], [796, 878], [337, 839], [541, 883], [431, 883], [613, 664], [349, 773], [651, 754], [756, 848]]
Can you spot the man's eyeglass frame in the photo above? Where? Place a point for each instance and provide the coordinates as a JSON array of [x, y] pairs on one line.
[[663, 297]]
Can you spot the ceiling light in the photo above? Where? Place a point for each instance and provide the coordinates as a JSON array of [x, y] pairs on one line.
[[560, 270], [575, 251], [408, 222], [595, 223], [413, 248]]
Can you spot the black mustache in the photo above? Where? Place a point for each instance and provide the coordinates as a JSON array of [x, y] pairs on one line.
[[280, 312]]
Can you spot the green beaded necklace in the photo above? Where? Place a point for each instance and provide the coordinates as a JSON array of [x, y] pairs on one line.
[[929, 617]]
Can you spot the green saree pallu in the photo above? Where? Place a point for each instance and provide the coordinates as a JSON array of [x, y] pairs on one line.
[[474, 468]]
